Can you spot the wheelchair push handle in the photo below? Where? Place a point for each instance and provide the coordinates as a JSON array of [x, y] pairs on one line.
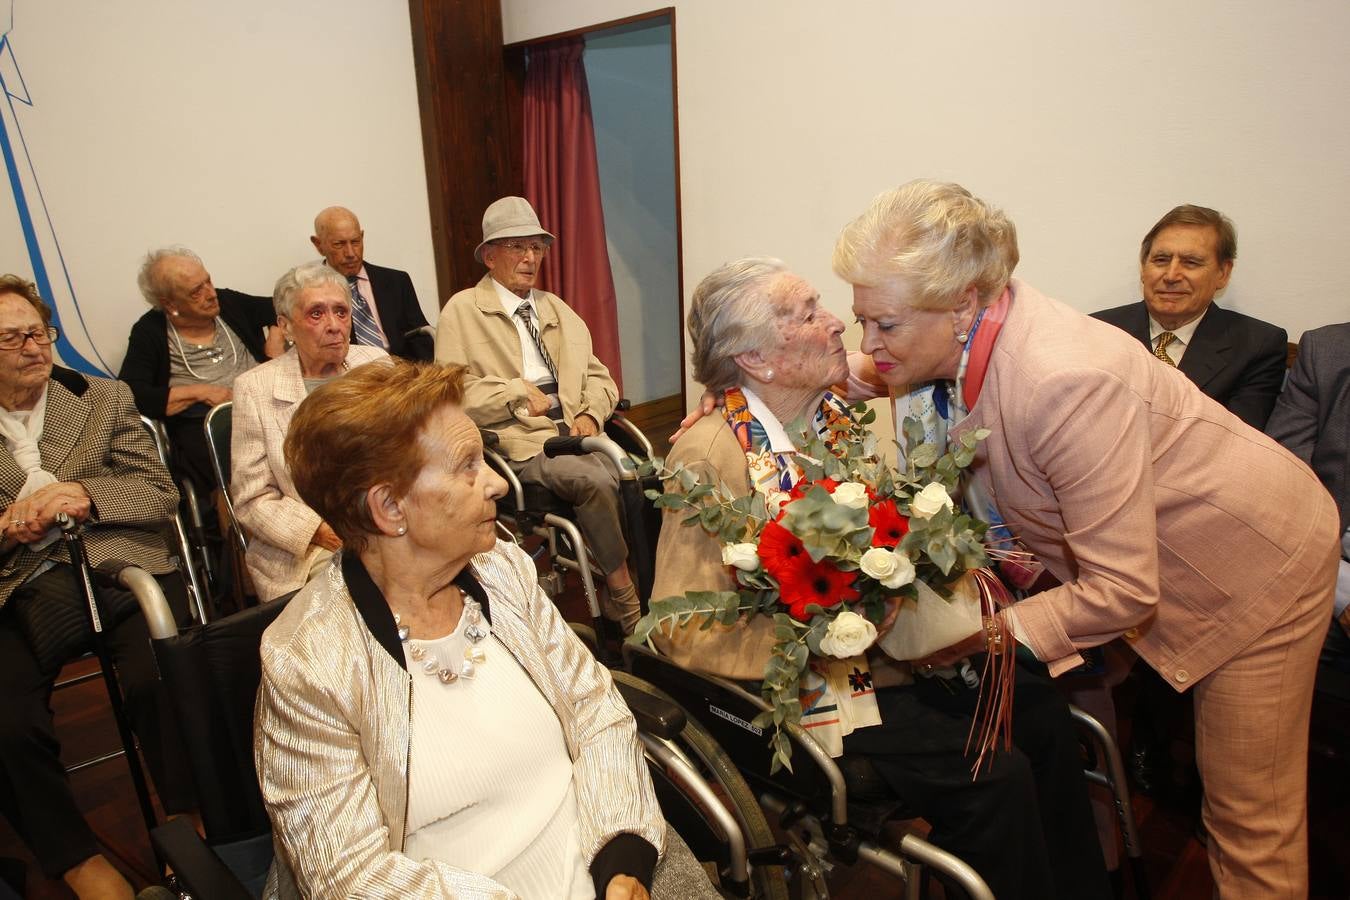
[[574, 445]]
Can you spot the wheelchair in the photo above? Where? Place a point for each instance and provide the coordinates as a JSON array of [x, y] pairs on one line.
[[189, 539], [834, 810], [530, 509], [212, 673]]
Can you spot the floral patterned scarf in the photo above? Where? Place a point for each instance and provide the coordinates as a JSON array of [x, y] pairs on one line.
[[836, 695]]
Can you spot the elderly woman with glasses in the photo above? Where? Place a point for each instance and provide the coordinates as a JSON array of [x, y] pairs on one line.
[[427, 724], [1166, 520], [770, 351], [72, 444], [288, 541]]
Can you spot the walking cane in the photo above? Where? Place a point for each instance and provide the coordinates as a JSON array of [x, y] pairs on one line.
[[71, 534]]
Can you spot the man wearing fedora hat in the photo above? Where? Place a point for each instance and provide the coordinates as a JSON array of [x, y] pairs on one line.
[[531, 376]]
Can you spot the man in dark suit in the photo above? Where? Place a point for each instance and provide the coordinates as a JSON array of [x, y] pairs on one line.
[[385, 311], [1184, 260], [1312, 419]]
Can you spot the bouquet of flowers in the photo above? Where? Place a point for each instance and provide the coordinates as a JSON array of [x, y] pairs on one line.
[[832, 558]]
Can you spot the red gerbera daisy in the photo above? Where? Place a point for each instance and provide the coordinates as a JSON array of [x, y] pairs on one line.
[[888, 526], [801, 487], [819, 583], [781, 552]]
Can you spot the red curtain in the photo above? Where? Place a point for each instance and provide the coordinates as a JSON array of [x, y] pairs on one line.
[[562, 182]]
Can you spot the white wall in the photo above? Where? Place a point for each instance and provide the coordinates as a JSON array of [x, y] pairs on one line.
[[1086, 121], [628, 72], [223, 126]]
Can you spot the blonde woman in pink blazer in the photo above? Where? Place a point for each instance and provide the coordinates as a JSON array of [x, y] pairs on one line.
[[1170, 523]]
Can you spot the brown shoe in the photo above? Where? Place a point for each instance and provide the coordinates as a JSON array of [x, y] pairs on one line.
[[622, 606]]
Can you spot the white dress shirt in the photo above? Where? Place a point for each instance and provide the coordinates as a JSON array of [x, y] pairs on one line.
[[534, 369], [1181, 337]]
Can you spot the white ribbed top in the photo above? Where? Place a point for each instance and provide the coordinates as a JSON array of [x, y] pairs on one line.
[[489, 777]]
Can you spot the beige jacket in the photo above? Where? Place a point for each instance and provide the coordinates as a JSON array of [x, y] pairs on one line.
[[278, 523], [331, 735], [690, 559], [1168, 520], [475, 331]]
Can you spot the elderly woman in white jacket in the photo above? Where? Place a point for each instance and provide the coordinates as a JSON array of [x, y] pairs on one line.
[[288, 541], [427, 724]]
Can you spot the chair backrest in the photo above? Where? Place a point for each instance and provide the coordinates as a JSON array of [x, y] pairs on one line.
[[177, 530], [217, 427], [212, 674]]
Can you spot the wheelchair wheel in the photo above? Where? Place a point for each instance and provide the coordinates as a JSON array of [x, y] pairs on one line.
[[767, 881]]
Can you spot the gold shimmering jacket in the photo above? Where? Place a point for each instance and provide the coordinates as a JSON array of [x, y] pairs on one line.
[[332, 733]]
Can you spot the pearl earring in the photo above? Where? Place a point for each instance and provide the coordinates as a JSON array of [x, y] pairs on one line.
[[174, 313], [962, 336], [402, 530], [768, 374]]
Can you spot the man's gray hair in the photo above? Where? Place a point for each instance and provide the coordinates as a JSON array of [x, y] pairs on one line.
[[732, 313], [155, 288], [303, 277]]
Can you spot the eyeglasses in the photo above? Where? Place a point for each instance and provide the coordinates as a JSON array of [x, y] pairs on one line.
[[538, 247], [13, 340]]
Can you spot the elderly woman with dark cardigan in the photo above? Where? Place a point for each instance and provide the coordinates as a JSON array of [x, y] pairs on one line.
[[764, 342], [427, 724], [185, 352]]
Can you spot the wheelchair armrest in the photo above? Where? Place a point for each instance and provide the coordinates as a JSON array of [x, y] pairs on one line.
[[195, 866], [654, 715], [500, 466], [631, 431], [490, 439], [575, 446], [149, 596]]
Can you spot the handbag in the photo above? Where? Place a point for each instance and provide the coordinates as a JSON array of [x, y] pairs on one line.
[[928, 623], [53, 614]]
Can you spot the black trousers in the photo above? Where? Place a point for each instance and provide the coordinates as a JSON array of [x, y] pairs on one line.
[[1024, 822], [35, 794]]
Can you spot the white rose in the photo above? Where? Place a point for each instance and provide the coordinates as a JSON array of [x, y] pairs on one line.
[[743, 556], [930, 501], [850, 494], [848, 635], [893, 570]]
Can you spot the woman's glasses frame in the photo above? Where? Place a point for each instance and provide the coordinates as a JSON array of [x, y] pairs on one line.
[[14, 340]]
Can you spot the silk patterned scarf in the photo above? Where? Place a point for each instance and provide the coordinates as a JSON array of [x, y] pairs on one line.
[[836, 695]]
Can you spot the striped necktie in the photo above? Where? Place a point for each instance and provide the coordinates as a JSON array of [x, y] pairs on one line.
[[1160, 351], [364, 329], [523, 313]]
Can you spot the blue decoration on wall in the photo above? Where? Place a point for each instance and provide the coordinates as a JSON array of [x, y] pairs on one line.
[[39, 232]]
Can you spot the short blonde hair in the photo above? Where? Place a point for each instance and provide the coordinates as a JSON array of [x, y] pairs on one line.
[[937, 237]]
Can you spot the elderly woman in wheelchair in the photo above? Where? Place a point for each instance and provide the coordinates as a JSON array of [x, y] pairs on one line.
[[73, 445], [288, 541], [427, 725], [766, 347]]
